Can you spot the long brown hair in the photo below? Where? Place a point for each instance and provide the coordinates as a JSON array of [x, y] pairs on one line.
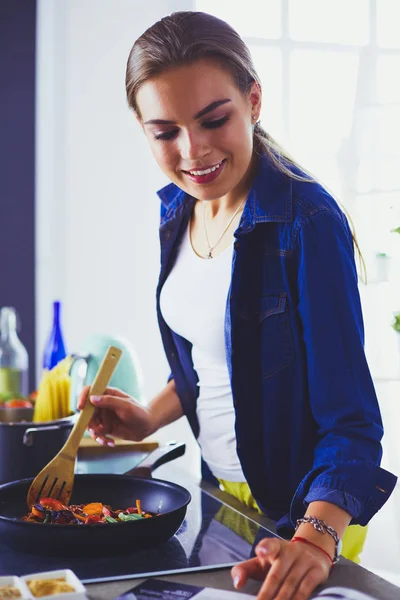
[[184, 37]]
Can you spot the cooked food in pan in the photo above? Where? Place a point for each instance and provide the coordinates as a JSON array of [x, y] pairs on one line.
[[50, 510]]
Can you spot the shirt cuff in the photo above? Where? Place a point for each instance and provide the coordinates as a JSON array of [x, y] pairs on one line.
[[337, 497]]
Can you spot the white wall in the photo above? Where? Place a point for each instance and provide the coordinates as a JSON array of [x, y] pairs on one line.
[[97, 212]]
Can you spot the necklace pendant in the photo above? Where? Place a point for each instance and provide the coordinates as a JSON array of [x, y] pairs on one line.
[[209, 255]]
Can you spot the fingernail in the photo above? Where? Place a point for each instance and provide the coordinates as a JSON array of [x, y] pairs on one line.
[[100, 441], [91, 430], [95, 399], [111, 444], [236, 581], [263, 551]]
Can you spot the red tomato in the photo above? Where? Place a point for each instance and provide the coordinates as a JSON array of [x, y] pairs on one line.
[[92, 519], [51, 504], [18, 403]]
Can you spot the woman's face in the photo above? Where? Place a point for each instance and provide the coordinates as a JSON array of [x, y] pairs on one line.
[[200, 128]]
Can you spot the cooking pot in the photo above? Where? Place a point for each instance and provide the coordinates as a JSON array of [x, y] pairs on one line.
[[26, 447]]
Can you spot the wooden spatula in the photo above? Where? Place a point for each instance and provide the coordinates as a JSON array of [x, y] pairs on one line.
[[56, 479]]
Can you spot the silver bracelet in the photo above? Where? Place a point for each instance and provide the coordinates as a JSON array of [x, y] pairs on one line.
[[322, 527]]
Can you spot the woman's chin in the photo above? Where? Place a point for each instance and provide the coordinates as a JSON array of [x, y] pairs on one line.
[[207, 192]]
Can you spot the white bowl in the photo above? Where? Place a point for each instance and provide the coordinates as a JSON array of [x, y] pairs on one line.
[[79, 592], [16, 582]]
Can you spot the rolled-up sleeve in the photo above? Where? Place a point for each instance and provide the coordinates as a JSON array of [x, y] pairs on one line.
[[346, 468]]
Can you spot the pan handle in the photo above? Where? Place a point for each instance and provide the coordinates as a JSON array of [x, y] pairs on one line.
[[158, 457]]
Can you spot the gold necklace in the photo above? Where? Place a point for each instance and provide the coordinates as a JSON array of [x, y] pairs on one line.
[[211, 248]]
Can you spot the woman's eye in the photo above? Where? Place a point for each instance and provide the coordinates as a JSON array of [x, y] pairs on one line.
[[217, 123], [166, 135], [170, 135]]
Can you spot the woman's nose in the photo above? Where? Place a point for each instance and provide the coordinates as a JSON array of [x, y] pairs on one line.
[[193, 146]]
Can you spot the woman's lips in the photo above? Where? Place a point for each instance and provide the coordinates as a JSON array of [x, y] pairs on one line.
[[198, 176]]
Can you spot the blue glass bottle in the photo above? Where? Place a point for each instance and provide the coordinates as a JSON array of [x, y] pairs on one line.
[[55, 348]]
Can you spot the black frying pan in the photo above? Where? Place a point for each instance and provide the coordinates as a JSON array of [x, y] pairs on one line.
[[120, 491]]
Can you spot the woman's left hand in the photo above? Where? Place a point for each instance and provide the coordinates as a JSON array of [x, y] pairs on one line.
[[290, 570]]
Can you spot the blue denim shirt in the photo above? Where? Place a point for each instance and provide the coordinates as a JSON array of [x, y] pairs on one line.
[[308, 425]]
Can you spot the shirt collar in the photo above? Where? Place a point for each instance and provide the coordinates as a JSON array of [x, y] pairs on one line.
[[269, 199]]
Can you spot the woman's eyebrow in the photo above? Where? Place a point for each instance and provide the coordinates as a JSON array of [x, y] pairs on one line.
[[201, 113]]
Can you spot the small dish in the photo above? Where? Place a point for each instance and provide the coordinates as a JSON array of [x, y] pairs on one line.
[[12, 581], [69, 576]]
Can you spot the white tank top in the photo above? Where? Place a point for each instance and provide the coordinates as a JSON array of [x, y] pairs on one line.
[[193, 302]]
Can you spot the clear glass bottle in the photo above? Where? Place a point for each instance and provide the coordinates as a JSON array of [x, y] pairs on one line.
[[14, 361], [55, 347]]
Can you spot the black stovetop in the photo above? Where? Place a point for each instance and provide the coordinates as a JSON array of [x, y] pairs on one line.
[[212, 536]]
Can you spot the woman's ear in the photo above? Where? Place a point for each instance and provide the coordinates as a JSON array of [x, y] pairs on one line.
[[255, 97]]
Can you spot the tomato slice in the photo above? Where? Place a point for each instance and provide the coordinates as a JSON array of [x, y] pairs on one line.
[[131, 510], [51, 504], [92, 519]]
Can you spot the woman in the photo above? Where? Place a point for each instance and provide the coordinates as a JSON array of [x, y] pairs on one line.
[[258, 309]]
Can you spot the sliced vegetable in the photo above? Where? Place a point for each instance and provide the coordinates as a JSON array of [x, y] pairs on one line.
[[92, 519], [131, 517], [94, 508], [63, 517], [110, 519], [81, 518], [51, 504], [38, 511], [138, 507]]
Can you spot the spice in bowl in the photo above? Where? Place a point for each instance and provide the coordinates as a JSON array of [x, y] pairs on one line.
[[48, 587], [9, 591]]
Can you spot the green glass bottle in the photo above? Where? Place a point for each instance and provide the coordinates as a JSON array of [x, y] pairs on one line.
[[14, 362]]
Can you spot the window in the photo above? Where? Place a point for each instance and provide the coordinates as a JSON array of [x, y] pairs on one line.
[[332, 97]]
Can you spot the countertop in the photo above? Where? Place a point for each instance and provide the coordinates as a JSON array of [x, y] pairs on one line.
[[345, 574]]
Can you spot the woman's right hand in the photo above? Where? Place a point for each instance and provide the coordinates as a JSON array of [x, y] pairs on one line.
[[117, 414]]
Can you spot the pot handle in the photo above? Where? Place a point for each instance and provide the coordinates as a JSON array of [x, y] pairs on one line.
[[29, 434], [158, 457]]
